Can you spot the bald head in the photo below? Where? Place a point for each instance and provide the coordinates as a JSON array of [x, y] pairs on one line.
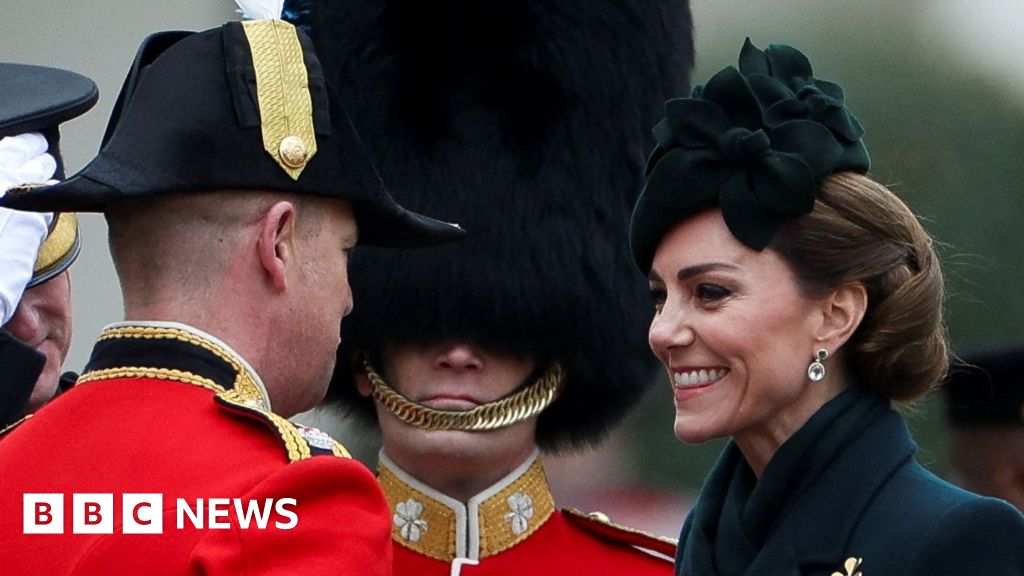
[[179, 245]]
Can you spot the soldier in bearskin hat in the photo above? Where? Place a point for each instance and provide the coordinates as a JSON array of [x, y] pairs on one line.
[[35, 249], [527, 122], [234, 190]]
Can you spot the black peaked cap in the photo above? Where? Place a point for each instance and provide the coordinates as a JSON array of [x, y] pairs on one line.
[[987, 387]]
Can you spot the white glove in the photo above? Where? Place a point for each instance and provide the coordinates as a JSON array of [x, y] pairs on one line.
[[23, 159]]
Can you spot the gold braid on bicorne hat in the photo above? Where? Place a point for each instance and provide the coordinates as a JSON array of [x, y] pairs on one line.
[[512, 409], [282, 85]]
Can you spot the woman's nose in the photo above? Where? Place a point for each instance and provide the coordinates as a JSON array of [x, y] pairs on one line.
[[669, 330]]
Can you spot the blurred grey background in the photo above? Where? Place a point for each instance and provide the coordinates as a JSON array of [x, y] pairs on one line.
[[938, 85]]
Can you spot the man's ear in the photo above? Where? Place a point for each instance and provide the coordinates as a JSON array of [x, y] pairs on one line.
[[359, 376], [842, 312], [276, 243]]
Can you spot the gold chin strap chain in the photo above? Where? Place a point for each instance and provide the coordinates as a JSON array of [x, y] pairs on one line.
[[526, 403]]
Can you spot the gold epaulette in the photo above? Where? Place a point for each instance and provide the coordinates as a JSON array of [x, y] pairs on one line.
[[598, 524], [300, 442]]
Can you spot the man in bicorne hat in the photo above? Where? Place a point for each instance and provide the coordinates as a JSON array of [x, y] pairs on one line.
[[234, 191], [985, 406], [35, 249], [527, 122]]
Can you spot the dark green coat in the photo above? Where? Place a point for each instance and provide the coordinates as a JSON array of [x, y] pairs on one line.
[[868, 500]]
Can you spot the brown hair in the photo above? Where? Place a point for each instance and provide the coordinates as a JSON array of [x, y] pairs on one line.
[[859, 231]]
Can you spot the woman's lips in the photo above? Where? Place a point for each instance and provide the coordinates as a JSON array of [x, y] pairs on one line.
[[697, 376], [690, 382]]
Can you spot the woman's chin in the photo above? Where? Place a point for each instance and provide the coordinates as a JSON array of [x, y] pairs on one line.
[[688, 432]]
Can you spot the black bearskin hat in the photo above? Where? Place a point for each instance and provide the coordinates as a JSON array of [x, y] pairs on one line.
[[527, 122]]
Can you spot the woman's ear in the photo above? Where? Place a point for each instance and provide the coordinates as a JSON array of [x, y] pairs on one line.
[[842, 312]]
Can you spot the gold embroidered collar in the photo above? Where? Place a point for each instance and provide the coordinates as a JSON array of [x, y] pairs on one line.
[[435, 525], [176, 352]]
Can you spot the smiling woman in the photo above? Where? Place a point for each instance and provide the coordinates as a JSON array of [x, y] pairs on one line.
[[796, 300]]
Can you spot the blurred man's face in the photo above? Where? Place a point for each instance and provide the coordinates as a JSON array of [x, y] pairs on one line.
[[43, 321], [989, 460]]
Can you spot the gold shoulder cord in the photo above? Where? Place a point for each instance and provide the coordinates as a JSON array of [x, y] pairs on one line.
[[520, 406]]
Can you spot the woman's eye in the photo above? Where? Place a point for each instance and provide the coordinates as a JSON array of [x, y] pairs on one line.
[[658, 296], [712, 292]]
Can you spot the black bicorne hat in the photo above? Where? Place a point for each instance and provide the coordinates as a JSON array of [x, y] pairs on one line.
[[527, 122], [987, 387], [240, 107]]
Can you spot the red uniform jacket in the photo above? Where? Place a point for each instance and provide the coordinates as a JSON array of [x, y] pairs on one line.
[[510, 529], [164, 409]]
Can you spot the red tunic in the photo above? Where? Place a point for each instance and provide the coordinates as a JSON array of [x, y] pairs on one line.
[[510, 529], [167, 410]]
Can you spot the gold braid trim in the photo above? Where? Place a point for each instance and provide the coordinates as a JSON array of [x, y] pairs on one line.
[[15, 424], [526, 403], [294, 443], [282, 92], [244, 383], [154, 373]]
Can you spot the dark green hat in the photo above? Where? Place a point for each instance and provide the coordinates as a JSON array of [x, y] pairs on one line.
[[240, 107], [756, 141], [987, 387]]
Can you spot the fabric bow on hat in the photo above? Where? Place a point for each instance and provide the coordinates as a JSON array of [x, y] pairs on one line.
[[784, 83], [715, 148]]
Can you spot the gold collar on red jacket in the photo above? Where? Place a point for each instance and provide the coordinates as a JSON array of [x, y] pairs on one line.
[[177, 352], [495, 520]]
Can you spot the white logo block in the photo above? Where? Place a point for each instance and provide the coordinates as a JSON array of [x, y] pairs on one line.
[[142, 513], [92, 514], [43, 513]]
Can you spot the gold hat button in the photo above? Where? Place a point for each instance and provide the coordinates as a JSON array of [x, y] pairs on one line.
[[294, 152]]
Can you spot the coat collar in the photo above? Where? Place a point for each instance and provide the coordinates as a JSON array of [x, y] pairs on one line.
[[175, 351], [857, 473], [435, 525]]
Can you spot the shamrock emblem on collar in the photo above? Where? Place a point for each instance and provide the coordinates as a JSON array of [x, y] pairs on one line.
[[852, 567], [407, 520]]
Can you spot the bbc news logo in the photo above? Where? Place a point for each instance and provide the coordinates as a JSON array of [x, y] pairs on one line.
[[144, 513]]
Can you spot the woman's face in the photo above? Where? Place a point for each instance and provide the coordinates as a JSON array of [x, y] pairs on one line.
[[735, 334]]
